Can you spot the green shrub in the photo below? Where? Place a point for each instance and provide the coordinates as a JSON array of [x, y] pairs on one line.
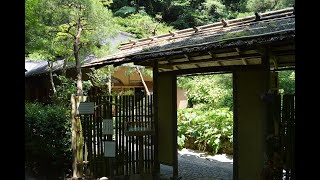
[[125, 11], [65, 88], [47, 136], [142, 25], [208, 129]]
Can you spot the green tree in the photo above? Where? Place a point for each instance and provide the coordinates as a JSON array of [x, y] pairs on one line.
[[70, 29], [214, 91], [76, 27], [143, 25], [267, 5], [102, 78], [287, 82]]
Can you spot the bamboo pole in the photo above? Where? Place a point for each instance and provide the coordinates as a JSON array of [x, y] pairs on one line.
[[143, 82]]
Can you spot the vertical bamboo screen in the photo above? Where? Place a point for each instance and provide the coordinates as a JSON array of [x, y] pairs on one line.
[[287, 134], [121, 109]]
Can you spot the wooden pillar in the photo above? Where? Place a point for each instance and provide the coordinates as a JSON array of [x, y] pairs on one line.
[[168, 150], [156, 170], [250, 121], [250, 118], [235, 129]]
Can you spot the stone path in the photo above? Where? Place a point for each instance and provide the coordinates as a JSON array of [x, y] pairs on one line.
[[196, 165]]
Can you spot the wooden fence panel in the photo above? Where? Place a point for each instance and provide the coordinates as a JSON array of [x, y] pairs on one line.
[[287, 135], [123, 110]]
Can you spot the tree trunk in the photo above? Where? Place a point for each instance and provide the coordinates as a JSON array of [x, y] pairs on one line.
[[76, 47], [77, 136], [74, 136], [50, 65], [143, 82]]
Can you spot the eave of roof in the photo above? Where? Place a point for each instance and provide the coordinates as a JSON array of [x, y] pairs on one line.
[[42, 66], [273, 26]]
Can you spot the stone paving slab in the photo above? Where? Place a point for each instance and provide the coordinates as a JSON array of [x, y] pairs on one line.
[[196, 165]]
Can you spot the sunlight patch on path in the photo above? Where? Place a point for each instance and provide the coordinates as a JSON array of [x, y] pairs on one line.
[[200, 154]]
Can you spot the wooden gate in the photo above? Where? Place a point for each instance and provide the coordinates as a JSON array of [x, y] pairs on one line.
[[123, 110]]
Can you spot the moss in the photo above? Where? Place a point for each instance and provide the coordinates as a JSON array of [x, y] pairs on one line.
[[216, 40]]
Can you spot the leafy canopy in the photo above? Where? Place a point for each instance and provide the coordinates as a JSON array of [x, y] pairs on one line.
[[209, 90], [51, 27]]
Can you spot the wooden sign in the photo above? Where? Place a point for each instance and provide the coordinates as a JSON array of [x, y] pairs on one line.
[[107, 126], [109, 149], [86, 108]]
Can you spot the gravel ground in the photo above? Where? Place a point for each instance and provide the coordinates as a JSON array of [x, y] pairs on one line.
[[196, 165]]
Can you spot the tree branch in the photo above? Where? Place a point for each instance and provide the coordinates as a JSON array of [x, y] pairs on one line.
[[88, 29]]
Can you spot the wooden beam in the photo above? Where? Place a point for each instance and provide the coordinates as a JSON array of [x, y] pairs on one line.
[[211, 54], [244, 61], [219, 63], [197, 66], [239, 53], [188, 58], [265, 59], [283, 52], [206, 56], [271, 56], [230, 58], [165, 66], [260, 50], [275, 61], [225, 69], [238, 50], [285, 69], [124, 86]]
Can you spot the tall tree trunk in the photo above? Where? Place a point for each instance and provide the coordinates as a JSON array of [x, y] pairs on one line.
[[74, 136], [77, 136], [76, 47], [50, 65], [143, 82]]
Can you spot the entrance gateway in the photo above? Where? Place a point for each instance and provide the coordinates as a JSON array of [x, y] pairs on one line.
[[250, 48]]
